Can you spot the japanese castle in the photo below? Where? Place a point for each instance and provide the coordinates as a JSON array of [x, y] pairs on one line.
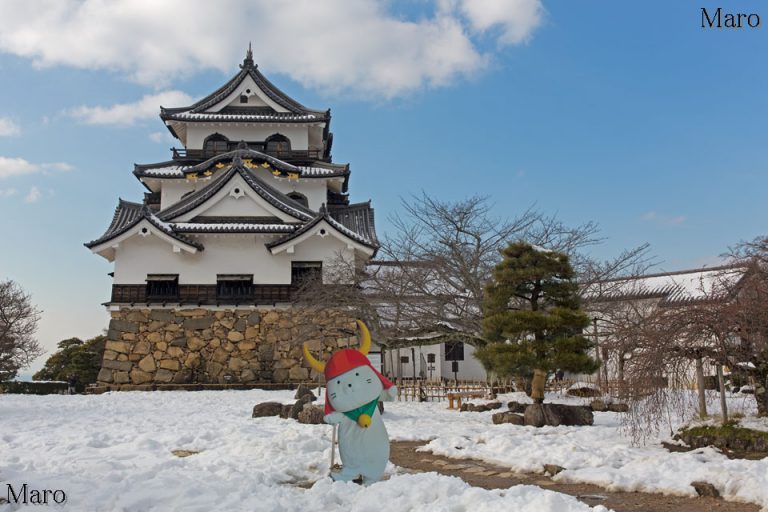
[[249, 207]]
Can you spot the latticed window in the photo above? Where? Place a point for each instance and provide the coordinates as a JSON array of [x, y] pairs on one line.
[[303, 272], [234, 286], [278, 143], [162, 286], [216, 143]]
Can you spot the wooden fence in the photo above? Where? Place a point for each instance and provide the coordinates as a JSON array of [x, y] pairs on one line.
[[410, 390]]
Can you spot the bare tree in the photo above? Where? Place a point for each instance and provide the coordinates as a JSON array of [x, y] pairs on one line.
[[18, 324], [445, 253]]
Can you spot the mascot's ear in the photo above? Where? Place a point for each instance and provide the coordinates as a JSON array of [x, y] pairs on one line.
[[365, 344]]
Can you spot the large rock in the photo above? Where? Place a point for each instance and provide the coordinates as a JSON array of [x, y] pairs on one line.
[[299, 406], [538, 415], [266, 409], [304, 390], [140, 377], [163, 376], [553, 469], [298, 373], [104, 375], [508, 417], [598, 405], [147, 364], [584, 389], [469, 407], [618, 407], [705, 489], [123, 366], [311, 414], [198, 324], [517, 407], [123, 325]]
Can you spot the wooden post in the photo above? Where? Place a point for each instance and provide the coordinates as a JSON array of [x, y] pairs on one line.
[[721, 383], [597, 350], [700, 384]]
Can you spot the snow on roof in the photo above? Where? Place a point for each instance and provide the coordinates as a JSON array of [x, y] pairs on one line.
[[230, 227], [211, 116], [672, 287], [165, 172], [318, 171]]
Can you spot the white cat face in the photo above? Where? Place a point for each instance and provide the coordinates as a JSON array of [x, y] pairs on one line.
[[354, 388]]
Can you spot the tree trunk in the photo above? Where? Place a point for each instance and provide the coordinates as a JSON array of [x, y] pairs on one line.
[[537, 386], [721, 384], [620, 376], [700, 385]]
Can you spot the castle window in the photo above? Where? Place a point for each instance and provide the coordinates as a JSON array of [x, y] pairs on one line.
[[278, 143], [243, 98], [215, 144], [162, 286], [234, 287], [299, 198], [303, 272]]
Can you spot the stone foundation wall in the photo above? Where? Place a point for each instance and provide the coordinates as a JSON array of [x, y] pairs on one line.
[[185, 346]]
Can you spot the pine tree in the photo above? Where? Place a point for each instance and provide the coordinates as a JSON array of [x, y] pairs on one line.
[[74, 357], [532, 318]]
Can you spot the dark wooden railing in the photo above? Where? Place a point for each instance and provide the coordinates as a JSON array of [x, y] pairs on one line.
[[287, 155], [202, 294]]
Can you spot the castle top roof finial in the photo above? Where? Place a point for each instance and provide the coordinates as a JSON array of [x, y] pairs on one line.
[[248, 61]]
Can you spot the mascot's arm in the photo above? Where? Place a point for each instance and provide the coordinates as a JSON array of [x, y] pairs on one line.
[[334, 418], [388, 395]]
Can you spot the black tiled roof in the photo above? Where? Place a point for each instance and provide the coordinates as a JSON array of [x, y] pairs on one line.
[[359, 237], [296, 111], [266, 191], [127, 215], [357, 217], [177, 170]]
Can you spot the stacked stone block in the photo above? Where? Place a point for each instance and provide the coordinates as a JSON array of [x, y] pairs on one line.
[[187, 346]]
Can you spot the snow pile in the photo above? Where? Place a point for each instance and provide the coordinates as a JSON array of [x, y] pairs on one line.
[[113, 452]]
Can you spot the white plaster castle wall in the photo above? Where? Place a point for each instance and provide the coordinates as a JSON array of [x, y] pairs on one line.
[[255, 98], [172, 190], [228, 254], [469, 369], [298, 134]]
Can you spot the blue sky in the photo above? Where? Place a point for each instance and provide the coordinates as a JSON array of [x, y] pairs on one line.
[[636, 118]]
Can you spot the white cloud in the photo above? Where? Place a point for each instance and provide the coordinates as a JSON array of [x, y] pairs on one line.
[[8, 127], [663, 219], [358, 47], [19, 167], [515, 19], [8, 192], [33, 196], [126, 114], [161, 137]]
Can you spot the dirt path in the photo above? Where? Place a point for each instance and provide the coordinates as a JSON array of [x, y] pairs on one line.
[[489, 476]]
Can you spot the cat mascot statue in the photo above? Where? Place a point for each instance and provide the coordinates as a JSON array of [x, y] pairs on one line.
[[353, 390]]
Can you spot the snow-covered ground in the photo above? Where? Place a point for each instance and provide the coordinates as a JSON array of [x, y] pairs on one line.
[[602, 454], [113, 452]]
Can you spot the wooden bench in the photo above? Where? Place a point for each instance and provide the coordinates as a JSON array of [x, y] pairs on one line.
[[454, 399]]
